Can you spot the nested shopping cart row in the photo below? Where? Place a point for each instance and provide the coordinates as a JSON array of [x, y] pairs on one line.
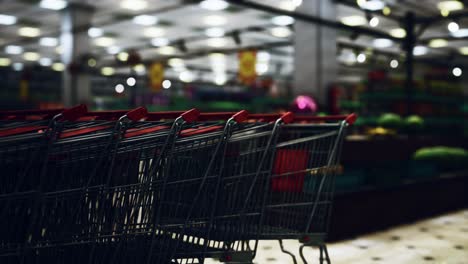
[[168, 187]]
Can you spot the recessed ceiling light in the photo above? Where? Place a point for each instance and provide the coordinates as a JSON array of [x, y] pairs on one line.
[[7, 20], [217, 42], [453, 26], [119, 88], [18, 66], [176, 62], [159, 42], [13, 49], [382, 43], [374, 22], [393, 64], [53, 4], [398, 32], [139, 68], [214, 20], [386, 11], [5, 62], [282, 20], [107, 71], [48, 42], [154, 32], [463, 50], [166, 84], [145, 20], [31, 56], [220, 79], [214, 5], [450, 6], [30, 32], [354, 20], [281, 32], [167, 50], [104, 41], [186, 76], [58, 66], [372, 5], [361, 58], [113, 50], [419, 50], [261, 68], [95, 32], [438, 43], [214, 32], [131, 81], [461, 33], [290, 5], [122, 56], [45, 62], [134, 5], [263, 56], [457, 72]]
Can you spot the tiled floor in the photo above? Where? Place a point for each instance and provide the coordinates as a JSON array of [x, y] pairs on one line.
[[441, 240]]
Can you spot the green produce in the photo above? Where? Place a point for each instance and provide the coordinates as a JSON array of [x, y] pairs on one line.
[[389, 120], [414, 122], [444, 156]]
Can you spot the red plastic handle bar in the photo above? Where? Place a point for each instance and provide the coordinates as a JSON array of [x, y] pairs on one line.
[[156, 116], [24, 114], [287, 117], [137, 114], [74, 113], [191, 115], [239, 117]]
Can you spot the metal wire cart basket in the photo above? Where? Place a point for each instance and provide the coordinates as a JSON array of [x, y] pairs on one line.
[[165, 187]]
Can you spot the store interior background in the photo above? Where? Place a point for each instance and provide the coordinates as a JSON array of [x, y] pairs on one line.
[[399, 64]]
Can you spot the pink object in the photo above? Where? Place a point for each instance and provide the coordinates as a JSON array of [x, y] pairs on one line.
[[306, 103]]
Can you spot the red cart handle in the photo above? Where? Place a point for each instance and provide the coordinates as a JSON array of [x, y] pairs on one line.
[[137, 114], [239, 117], [188, 116], [71, 114], [39, 114], [350, 119], [191, 115]]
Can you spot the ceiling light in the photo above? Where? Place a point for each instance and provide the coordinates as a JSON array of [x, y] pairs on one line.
[[5, 61], [386, 11], [382, 43], [217, 42], [186, 76], [145, 20], [131, 81], [53, 4], [450, 6], [457, 72], [7, 20], [119, 88], [95, 32], [139, 68], [45, 62], [461, 33], [30, 32], [176, 62], [419, 50], [134, 5], [12, 49], [107, 71], [122, 56], [398, 32], [214, 20], [92, 62], [393, 64], [453, 26], [159, 42], [282, 20], [281, 32], [220, 79], [463, 50], [214, 5], [104, 41], [154, 32], [18, 66], [372, 5], [263, 56], [167, 50], [113, 50], [166, 84], [31, 56], [261, 68], [290, 5], [361, 58], [438, 43], [214, 32], [444, 12], [374, 22], [354, 21], [48, 42], [59, 49], [58, 66]]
